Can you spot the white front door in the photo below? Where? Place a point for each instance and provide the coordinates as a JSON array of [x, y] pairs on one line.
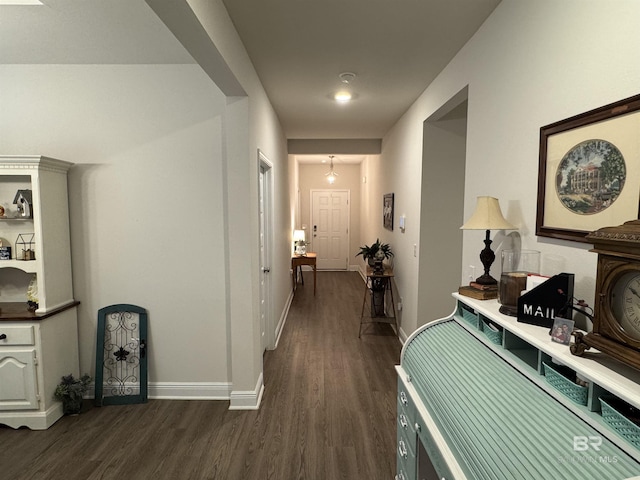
[[330, 228]]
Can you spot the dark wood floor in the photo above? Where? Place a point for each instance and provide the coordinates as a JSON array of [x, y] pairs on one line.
[[328, 413]]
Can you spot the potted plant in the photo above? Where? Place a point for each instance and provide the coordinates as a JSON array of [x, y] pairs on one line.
[[71, 391], [377, 251]]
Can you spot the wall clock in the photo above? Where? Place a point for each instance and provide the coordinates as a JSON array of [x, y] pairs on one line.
[[616, 321]]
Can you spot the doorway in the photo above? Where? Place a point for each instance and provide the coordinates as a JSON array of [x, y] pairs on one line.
[[443, 179], [265, 193], [330, 228]]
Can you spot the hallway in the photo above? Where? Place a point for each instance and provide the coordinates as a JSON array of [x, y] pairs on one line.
[[338, 391], [328, 412]]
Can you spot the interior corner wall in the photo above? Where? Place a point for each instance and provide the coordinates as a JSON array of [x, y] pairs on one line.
[[441, 214], [264, 133], [373, 187], [145, 191], [530, 64]]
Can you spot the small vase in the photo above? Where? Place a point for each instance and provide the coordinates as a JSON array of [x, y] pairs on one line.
[[71, 406]]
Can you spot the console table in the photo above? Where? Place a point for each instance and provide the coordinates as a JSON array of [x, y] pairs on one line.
[[474, 403], [298, 261]]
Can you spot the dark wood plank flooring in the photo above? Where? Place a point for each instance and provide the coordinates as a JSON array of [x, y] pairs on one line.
[[328, 412]]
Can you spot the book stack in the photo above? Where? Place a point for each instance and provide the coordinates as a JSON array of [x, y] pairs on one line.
[[479, 291]]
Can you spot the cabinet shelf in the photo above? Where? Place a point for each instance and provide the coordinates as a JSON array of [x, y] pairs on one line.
[[28, 266]]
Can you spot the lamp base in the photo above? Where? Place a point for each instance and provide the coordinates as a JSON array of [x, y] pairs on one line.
[[486, 279]]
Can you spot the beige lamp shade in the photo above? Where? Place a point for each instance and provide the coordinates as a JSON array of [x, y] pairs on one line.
[[487, 216], [298, 235]]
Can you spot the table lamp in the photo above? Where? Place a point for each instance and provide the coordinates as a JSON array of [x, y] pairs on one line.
[[299, 242], [487, 216]]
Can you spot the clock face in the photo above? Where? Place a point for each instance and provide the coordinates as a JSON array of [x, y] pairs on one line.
[[625, 302]]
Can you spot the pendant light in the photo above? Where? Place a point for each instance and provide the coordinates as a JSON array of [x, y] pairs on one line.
[[331, 175]]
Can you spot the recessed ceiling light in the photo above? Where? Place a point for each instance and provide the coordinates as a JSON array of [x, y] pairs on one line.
[[347, 77], [342, 97]]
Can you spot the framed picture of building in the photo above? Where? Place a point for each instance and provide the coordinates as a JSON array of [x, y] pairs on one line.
[[589, 171], [387, 211]]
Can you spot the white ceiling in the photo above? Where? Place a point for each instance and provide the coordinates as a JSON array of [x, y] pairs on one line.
[[298, 48], [86, 32], [396, 48]]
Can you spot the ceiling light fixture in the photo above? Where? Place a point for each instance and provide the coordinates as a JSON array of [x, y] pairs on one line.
[[331, 175], [344, 95], [347, 77]]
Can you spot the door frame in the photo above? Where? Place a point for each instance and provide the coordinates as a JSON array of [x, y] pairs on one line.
[[267, 341], [348, 190]]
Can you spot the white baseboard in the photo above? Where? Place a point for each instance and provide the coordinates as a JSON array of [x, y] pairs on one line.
[[239, 400], [190, 390], [181, 390], [247, 400], [283, 319]]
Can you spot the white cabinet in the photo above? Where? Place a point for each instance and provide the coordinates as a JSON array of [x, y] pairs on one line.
[[36, 347]]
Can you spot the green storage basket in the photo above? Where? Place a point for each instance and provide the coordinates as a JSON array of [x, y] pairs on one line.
[[620, 423], [566, 386], [493, 336], [468, 316]]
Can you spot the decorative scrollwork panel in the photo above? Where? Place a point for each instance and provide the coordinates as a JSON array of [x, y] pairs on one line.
[[121, 366]]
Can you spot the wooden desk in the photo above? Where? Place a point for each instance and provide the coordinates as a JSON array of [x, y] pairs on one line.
[[447, 362], [297, 261]]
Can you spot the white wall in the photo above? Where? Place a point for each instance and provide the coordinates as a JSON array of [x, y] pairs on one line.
[[252, 126], [312, 177], [165, 198], [145, 198], [530, 64]]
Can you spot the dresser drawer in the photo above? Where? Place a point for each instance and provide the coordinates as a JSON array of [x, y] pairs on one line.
[[406, 404], [406, 466], [14, 336]]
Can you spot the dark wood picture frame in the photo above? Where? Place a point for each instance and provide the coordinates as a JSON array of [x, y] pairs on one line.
[[387, 211], [612, 123]]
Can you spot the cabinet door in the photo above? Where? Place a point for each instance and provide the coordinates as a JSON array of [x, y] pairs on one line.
[[18, 380]]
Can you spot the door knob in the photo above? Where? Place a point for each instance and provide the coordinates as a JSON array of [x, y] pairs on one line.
[[266, 269]]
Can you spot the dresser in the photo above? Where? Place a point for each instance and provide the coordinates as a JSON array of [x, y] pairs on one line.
[[478, 399]]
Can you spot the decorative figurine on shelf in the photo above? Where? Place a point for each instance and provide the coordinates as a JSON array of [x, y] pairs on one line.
[[5, 251], [24, 203], [25, 247]]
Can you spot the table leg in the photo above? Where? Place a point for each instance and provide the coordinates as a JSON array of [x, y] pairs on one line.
[[314, 279], [393, 308], [294, 273]]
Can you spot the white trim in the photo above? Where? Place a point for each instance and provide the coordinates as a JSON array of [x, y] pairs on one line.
[[183, 391], [283, 319], [247, 400], [35, 419], [189, 390], [265, 167]]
